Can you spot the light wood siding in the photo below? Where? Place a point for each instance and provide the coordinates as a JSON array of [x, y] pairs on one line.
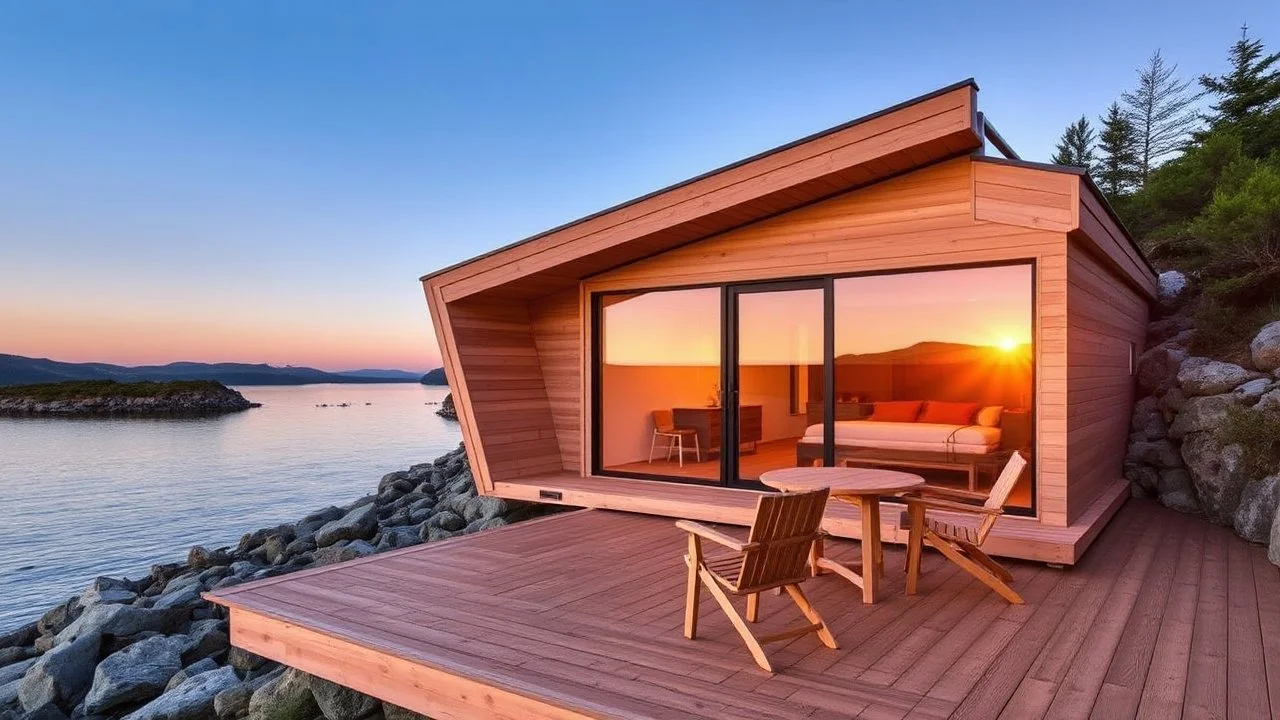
[[918, 133], [1025, 197], [1098, 227], [508, 409], [921, 219], [557, 334], [1105, 319]]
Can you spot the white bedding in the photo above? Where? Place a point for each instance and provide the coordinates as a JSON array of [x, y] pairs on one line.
[[910, 436]]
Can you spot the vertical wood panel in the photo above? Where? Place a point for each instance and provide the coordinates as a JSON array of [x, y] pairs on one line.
[[557, 334]]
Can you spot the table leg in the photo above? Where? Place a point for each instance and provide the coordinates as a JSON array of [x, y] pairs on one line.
[[869, 508]]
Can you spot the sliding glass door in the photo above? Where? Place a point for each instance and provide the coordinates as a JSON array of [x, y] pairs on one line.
[[776, 370]]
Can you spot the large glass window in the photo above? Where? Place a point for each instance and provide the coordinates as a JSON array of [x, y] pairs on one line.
[[933, 372], [659, 405]]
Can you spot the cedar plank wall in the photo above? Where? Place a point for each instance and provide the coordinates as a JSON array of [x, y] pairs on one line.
[[924, 218], [1104, 315], [557, 333], [508, 403]]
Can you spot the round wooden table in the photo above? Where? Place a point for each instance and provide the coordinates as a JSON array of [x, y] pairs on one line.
[[861, 487]]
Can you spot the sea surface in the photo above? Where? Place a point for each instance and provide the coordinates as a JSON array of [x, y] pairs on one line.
[[81, 498]]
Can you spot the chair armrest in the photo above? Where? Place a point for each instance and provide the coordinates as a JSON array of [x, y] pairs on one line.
[[952, 493], [714, 536], [950, 506]]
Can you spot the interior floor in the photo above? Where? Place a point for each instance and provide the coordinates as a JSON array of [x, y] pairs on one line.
[[776, 454]]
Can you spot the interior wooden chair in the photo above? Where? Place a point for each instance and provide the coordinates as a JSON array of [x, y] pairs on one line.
[[774, 555], [961, 541], [664, 426]]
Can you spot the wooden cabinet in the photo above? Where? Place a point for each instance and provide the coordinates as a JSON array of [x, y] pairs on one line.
[[707, 421], [1015, 430]]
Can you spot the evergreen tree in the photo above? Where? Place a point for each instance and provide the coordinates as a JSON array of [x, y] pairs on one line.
[[1251, 87], [1076, 146], [1117, 169], [1161, 111]]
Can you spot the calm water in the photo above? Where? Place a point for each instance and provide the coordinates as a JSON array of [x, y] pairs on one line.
[[82, 498]]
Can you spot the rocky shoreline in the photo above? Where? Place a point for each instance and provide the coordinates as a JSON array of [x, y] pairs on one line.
[[106, 398], [152, 649]]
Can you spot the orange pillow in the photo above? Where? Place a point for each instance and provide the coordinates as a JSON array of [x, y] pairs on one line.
[[949, 413], [895, 411]]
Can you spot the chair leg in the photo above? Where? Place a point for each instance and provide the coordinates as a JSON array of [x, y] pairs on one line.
[[753, 645], [753, 607], [692, 591], [671, 446], [811, 614], [984, 559], [978, 571], [680, 445], [815, 554], [915, 544], [697, 448], [653, 442]]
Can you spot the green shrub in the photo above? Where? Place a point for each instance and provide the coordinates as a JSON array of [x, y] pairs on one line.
[[1258, 434], [1224, 330], [85, 389], [1240, 230]]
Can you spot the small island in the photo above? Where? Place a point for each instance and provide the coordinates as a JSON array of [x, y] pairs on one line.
[[92, 398]]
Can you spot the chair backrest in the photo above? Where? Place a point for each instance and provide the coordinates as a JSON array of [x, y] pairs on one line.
[[784, 529], [664, 420], [1000, 491]]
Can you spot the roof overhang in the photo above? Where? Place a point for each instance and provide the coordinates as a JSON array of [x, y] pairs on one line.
[[933, 127]]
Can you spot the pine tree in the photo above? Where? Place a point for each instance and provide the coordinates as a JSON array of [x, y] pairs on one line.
[[1076, 146], [1117, 169], [1251, 86], [1162, 113]]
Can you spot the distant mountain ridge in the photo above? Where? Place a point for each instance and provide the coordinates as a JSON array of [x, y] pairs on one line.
[[19, 370], [435, 377]]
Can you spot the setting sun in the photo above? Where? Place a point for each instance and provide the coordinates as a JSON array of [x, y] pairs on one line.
[[1007, 344]]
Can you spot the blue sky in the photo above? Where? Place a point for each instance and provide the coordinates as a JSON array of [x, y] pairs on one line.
[[265, 181]]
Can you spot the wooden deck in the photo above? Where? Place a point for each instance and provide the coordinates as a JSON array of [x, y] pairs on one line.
[[580, 615]]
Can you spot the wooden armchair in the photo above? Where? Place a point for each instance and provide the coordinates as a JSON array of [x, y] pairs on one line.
[[774, 555], [960, 541]]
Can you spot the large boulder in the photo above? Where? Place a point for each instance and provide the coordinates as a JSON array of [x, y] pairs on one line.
[[1175, 490], [340, 703], [1158, 367], [1202, 414], [358, 524], [287, 697], [1257, 510], [136, 673], [15, 671], [20, 636], [1217, 473], [1202, 376], [1157, 453], [483, 507], [1265, 348], [1273, 546], [106, 590], [122, 621], [1270, 401], [207, 638], [61, 675], [1148, 420], [1170, 285], [192, 700]]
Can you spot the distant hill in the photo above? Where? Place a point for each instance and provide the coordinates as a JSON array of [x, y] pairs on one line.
[[19, 370], [435, 377], [391, 375]]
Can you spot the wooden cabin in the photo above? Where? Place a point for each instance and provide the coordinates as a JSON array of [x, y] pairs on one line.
[[898, 291]]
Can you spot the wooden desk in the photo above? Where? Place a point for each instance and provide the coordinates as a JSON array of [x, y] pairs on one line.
[[861, 487], [707, 422]]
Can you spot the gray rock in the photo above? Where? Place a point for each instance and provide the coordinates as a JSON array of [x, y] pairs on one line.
[[243, 660], [1270, 401], [251, 541], [1201, 376], [15, 671], [136, 673], [1216, 474], [233, 702], [300, 545], [1201, 414], [357, 524], [447, 520], [1273, 546], [48, 711], [483, 507], [11, 655], [1158, 367], [360, 548], [184, 596], [1257, 510], [1175, 490], [62, 674], [200, 557], [105, 591], [287, 697], [192, 700], [333, 555], [1157, 453], [1265, 348], [23, 635], [398, 537], [1171, 402], [431, 534], [122, 621], [395, 712], [1251, 391], [1162, 330], [1170, 286], [198, 667], [340, 703], [207, 639], [59, 617], [1147, 419], [9, 696], [391, 478]]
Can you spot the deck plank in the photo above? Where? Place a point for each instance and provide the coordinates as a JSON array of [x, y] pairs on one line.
[[580, 616]]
